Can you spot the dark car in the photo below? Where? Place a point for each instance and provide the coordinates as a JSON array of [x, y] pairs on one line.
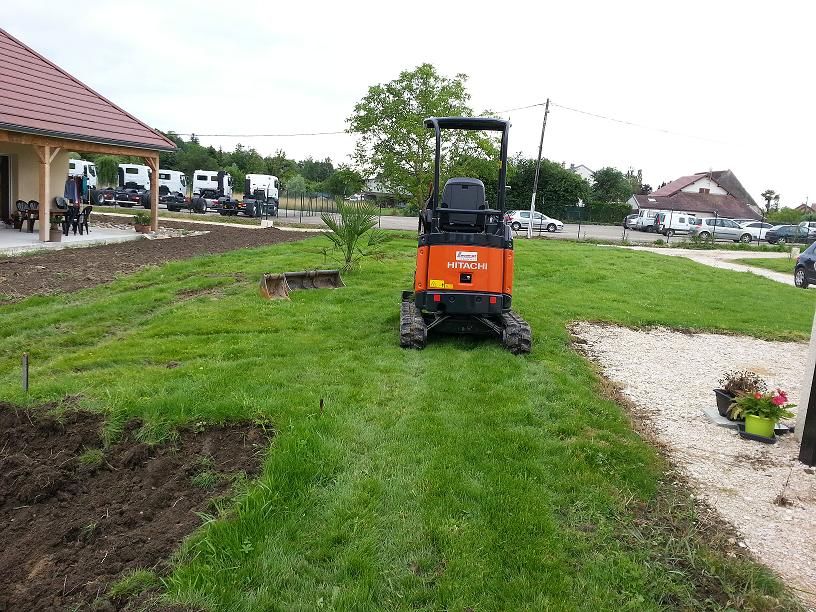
[[781, 234], [804, 273]]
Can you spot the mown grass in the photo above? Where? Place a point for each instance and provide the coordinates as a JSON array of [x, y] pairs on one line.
[[776, 264], [459, 477]]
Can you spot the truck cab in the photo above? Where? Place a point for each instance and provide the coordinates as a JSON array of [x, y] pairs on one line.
[[209, 182], [172, 186]]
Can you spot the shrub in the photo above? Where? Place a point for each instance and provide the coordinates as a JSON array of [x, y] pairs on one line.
[[141, 219]]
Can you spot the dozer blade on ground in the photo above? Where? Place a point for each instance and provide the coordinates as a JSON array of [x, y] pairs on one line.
[[278, 286]]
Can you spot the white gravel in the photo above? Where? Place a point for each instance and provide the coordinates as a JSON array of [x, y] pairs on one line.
[[670, 376]]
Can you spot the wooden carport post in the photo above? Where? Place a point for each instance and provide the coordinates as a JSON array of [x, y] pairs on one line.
[[46, 153], [153, 164]]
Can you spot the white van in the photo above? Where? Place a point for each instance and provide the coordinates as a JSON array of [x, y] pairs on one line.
[[80, 167], [674, 222], [645, 220], [172, 183]]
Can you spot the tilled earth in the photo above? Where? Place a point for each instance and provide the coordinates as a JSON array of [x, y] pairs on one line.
[[68, 270], [75, 516]]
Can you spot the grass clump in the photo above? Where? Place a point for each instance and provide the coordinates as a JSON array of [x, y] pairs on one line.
[[133, 583], [777, 264], [93, 457]]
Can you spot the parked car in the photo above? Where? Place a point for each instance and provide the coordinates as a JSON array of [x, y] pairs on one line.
[[672, 223], [519, 219], [782, 234], [707, 228], [804, 273], [808, 224], [757, 229], [628, 221]]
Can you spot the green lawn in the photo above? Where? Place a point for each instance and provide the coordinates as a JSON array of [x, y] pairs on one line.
[[460, 477], [777, 264]]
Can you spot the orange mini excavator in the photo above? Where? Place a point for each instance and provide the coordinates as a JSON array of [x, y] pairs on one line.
[[463, 282]]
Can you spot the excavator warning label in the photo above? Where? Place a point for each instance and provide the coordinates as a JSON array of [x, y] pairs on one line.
[[467, 256], [439, 284]]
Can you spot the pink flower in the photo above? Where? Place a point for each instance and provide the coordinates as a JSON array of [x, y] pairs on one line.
[[778, 400], [757, 395]]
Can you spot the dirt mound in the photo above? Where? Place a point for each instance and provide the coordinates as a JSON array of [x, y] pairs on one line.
[[73, 269], [75, 516]]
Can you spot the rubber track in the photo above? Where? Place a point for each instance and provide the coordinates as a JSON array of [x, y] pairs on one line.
[[413, 333], [517, 337]]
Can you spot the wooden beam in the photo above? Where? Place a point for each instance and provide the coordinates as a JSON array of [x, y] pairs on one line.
[[153, 163], [72, 145], [44, 154], [53, 154]]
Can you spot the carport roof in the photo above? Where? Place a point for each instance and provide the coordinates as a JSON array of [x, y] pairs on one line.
[[38, 97]]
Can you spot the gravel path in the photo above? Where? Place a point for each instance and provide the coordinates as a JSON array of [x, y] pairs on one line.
[[669, 376], [724, 260]]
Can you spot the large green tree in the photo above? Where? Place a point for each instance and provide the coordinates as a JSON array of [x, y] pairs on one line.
[[344, 182], [394, 145], [558, 188], [611, 186]]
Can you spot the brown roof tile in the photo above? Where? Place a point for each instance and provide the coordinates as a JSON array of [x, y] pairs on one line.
[[676, 185], [38, 97], [707, 203]]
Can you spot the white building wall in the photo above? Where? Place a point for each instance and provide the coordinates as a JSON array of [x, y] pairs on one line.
[[705, 183]]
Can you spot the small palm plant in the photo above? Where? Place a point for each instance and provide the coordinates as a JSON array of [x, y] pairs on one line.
[[352, 233]]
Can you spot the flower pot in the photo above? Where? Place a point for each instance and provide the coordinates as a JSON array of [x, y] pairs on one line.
[[759, 426], [724, 400], [55, 234], [142, 229]]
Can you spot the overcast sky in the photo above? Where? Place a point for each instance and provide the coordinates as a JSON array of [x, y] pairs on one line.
[[732, 82]]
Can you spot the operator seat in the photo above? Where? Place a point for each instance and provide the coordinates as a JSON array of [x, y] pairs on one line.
[[463, 194]]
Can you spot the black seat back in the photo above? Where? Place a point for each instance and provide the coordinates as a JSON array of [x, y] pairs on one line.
[[463, 194], [60, 203]]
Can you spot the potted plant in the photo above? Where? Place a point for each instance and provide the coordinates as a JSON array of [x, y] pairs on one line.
[[141, 221], [55, 232], [735, 383], [762, 411]]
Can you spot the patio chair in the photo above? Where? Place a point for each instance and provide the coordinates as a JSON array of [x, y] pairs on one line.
[[21, 214], [82, 220], [33, 214]]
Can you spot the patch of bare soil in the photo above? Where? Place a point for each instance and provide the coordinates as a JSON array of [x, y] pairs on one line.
[[72, 269], [75, 515]]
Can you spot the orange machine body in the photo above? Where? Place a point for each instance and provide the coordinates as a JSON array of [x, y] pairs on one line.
[[464, 268]]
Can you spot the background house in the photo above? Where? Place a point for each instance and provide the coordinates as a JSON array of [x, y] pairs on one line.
[[584, 172], [705, 193]]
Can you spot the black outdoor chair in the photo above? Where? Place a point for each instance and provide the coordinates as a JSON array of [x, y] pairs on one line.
[[33, 214], [81, 220], [22, 213]]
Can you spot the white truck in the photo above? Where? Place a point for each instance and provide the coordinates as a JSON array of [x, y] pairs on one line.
[[82, 167], [260, 197], [172, 188], [134, 187], [211, 189]]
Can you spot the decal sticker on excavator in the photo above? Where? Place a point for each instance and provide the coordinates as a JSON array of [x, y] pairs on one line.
[[464, 265], [439, 284], [467, 256]]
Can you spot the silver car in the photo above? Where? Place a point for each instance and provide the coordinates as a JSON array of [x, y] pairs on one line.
[[714, 228], [520, 219]]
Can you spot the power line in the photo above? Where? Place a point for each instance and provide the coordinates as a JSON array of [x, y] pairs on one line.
[[196, 134]]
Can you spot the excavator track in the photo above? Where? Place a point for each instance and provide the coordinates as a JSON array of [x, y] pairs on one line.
[[516, 337], [413, 332]]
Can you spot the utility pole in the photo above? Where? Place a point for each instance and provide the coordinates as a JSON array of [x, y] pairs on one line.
[[538, 169]]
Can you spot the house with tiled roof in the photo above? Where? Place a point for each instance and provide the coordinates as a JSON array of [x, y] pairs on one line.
[[712, 193], [45, 113], [584, 172]]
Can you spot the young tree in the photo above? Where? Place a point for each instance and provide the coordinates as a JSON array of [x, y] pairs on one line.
[[344, 182], [296, 185], [394, 144], [611, 185], [771, 200], [107, 171], [558, 188]]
